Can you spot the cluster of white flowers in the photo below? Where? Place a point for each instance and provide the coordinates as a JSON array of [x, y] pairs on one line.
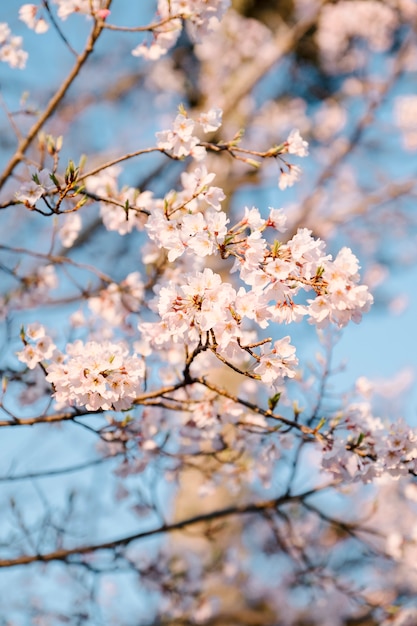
[[29, 14], [277, 274], [36, 287], [11, 51], [201, 306], [201, 16], [70, 229], [115, 303], [296, 145], [29, 193], [277, 362], [347, 20], [97, 376], [361, 448], [86, 7], [190, 220], [203, 303], [196, 303], [39, 350], [180, 140]]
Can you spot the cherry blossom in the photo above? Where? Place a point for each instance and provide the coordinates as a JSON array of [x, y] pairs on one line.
[[200, 16], [28, 13], [115, 303], [11, 51], [36, 287], [289, 176], [296, 145], [179, 141], [97, 376], [68, 233], [31, 355], [277, 362], [165, 38], [30, 192], [67, 7], [373, 21], [212, 120], [405, 116], [178, 362]]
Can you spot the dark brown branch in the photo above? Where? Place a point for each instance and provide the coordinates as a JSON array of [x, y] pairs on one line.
[[244, 509]]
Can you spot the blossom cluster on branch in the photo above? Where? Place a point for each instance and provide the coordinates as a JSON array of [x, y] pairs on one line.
[[161, 311]]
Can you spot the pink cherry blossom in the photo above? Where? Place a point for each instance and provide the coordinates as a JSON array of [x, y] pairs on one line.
[[295, 144], [97, 376], [28, 13], [289, 177], [277, 363]]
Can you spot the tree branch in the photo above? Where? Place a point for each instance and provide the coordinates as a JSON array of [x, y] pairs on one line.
[[63, 555], [54, 101]]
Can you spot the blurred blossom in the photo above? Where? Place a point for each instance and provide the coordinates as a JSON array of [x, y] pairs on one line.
[[405, 114], [329, 120], [68, 233], [399, 304]]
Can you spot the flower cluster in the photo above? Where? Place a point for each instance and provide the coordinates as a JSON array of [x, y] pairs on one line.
[[86, 7], [190, 220], [204, 308], [29, 14], [277, 362], [96, 376], [277, 273], [30, 192], [41, 347], [180, 141], [360, 448], [115, 303], [199, 307], [289, 173], [346, 21], [295, 144], [69, 231], [201, 16], [11, 48]]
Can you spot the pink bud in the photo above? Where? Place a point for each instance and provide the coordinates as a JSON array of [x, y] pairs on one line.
[[103, 13]]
